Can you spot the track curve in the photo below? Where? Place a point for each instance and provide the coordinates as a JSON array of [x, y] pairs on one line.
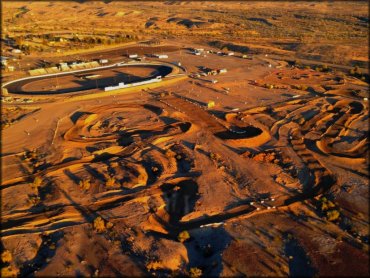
[[79, 81]]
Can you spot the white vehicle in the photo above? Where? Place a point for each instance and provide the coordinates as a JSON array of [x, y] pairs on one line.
[[160, 56], [213, 225]]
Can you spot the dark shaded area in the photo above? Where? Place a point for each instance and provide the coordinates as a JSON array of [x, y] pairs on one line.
[[261, 20], [247, 132], [356, 107], [205, 249], [299, 262], [75, 116], [45, 252], [325, 183], [180, 198], [155, 109]]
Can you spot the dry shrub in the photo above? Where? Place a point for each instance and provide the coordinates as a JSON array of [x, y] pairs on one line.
[[153, 265], [99, 225], [332, 215], [111, 181], [183, 236], [85, 184], [6, 256], [195, 272], [8, 271], [109, 225], [36, 183]]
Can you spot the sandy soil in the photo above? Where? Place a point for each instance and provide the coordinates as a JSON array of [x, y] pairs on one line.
[[269, 181]]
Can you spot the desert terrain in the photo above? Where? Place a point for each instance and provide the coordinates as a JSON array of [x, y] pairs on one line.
[[247, 157]]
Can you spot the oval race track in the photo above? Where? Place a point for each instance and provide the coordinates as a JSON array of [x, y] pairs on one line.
[[98, 78]]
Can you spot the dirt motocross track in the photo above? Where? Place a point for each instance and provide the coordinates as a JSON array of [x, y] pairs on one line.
[[113, 185]]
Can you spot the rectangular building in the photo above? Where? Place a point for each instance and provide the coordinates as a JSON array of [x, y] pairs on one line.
[[160, 56]]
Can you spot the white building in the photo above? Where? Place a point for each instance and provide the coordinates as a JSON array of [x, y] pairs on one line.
[[160, 56], [132, 56], [16, 51], [230, 54], [103, 61], [222, 70], [4, 60]]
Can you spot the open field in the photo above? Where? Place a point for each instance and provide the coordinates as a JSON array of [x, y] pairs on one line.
[[257, 170], [321, 31]]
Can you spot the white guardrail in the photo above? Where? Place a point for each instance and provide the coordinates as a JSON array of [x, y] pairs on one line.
[[123, 85]]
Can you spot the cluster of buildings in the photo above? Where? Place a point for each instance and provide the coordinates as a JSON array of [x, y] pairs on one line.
[[5, 65], [198, 51], [136, 57], [67, 66], [160, 56], [201, 51], [227, 53], [8, 99], [209, 71]]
